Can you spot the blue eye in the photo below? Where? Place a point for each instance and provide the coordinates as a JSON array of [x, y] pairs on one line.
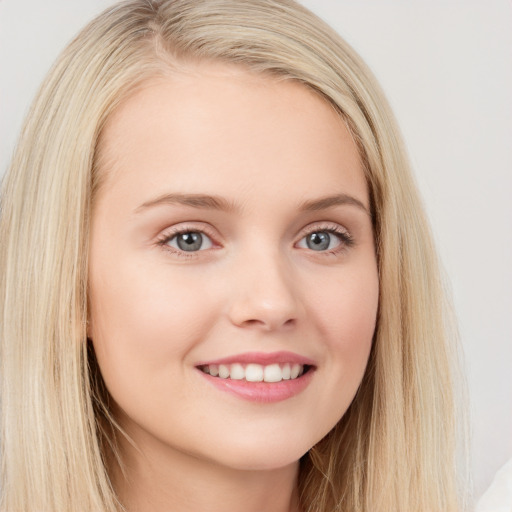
[[320, 241], [190, 241], [323, 240]]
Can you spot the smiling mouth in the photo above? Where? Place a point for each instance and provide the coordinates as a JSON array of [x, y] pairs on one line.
[[276, 372]]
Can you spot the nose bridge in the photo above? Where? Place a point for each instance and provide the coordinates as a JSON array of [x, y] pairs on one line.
[[263, 291]]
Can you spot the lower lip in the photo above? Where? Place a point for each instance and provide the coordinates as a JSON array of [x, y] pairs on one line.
[[264, 392]]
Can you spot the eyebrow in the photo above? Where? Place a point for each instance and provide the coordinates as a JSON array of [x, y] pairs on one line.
[[202, 201], [335, 200], [209, 202]]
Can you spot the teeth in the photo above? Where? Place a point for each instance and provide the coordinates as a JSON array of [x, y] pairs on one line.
[[255, 372], [295, 371], [223, 371], [237, 372], [272, 373]]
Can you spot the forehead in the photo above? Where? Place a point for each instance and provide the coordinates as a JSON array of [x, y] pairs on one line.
[[216, 128]]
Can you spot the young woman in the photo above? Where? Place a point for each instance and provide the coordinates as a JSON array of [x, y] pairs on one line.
[[218, 287]]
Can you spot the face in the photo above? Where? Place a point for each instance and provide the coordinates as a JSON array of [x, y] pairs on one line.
[[233, 280]]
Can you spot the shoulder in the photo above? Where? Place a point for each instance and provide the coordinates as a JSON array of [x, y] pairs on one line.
[[498, 498]]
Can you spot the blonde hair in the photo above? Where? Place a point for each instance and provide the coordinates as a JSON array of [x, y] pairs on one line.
[[394, 449]]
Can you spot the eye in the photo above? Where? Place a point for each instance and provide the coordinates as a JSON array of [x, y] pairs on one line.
[[189, 241], [319, 241], [331, 239]]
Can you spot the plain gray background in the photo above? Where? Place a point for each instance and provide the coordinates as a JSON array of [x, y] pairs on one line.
[[446, 66]]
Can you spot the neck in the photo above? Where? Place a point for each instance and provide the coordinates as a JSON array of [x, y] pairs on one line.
[[164, 480]]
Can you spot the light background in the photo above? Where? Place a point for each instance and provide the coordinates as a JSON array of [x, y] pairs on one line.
[[446, 66]]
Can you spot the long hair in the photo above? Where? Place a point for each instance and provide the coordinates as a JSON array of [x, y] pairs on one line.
[[393, 450]]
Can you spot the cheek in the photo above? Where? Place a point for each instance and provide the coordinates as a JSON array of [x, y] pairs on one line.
[[146, 323], [346, 315], [343, 312], [348, 307]]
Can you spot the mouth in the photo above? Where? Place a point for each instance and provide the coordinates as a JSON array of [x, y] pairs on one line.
[[260, 377], [254, 372]]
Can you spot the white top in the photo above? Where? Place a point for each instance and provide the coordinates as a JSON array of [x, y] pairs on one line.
[[498, 498]]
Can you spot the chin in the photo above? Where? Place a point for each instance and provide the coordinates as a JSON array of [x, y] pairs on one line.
[[260, 460], [267, 453]]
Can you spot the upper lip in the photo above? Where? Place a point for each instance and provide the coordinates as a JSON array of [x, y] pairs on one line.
[[263, 358]]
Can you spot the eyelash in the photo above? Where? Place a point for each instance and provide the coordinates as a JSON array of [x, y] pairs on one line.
[[168, 235], [345, 238]]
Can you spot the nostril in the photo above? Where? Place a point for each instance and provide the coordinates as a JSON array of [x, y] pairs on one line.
[[253, 322], [256, 323]]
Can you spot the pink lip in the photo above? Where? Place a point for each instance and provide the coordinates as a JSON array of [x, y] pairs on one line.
[[262, 358], [263, 392]]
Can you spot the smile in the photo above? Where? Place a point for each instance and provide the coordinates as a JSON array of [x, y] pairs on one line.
[[260, 377], [253, 372]]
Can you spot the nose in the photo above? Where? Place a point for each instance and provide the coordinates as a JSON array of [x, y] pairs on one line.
[[264, 294]]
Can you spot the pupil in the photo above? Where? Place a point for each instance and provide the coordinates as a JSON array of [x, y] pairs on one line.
[[190, 241], [319, 241]]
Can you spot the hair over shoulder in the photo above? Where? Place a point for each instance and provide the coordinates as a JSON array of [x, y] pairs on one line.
[[394, 449]]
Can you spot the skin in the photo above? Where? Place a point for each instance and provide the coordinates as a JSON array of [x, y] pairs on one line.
[[264, 149]]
